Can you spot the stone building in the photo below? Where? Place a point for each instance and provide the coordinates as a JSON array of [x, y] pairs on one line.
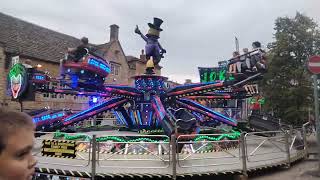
[[137, 66], [46, 47]]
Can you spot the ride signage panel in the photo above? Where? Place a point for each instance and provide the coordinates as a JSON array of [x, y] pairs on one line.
[[213, 74], [59, 148]]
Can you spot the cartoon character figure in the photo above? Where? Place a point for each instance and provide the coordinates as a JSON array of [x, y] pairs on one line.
[[17, 80], [153, 48]]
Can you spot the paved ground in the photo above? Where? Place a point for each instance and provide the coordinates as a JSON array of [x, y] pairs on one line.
[[300, 170], [306, 170]]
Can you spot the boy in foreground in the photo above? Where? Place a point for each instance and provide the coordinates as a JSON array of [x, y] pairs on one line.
[[16, 143]]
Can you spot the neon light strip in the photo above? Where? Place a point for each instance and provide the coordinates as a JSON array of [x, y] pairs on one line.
[[136, 117], [48, 117], [207, 109], [150, 118], [203, 87], [101, 107], [139, 117], [99, 65], [209, 113], [132, 118], [191, 86], [122, 117], [118, 118]]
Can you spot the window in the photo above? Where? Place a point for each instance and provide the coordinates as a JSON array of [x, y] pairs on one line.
[[112, 68], [115, 69]]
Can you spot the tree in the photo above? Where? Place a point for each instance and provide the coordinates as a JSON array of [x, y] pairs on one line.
[[287, 84]]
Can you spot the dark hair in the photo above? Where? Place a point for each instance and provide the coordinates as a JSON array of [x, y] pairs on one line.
[[85, 40], [256, 44], [10, 122]]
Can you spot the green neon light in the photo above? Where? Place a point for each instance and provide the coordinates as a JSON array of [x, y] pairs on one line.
[[214, 74], [16, 70], [231, 136], [261, 101]]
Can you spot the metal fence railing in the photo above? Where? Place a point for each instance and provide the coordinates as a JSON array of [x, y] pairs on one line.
[[265, 146], [217, 152], [131, 151], [175, 155]]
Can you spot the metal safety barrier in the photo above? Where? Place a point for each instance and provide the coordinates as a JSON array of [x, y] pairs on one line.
[[265, 146], [134, 151], [217, 153], [175, 155]]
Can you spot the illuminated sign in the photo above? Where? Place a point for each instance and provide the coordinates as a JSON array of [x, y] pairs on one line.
[[48, 117], [214, 74], [17, 80], [39, 77], [99, 65], [59, 148]]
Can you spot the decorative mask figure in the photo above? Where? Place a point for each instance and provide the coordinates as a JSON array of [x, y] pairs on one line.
[[15, 83], [153, 48], [17, 80]]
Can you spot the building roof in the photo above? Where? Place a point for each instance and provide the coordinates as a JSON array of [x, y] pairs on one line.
[[34, 41], [132, 58]]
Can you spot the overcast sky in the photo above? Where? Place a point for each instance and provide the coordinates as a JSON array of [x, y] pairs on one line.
[[195, 32]]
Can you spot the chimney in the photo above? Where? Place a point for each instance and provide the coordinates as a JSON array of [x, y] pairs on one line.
[[114, 32], [143, 56]]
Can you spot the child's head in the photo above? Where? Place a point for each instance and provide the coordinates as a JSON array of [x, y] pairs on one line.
[[16, 143]]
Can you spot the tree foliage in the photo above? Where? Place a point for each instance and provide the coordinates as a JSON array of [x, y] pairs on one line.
[[287, 85]]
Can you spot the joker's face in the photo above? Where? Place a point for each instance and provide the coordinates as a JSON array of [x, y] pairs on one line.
[[16, 82]]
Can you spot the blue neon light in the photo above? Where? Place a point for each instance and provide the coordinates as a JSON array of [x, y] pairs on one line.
[[48, 117], [123, 119], [91, 109], [94, 99], [82, 112], [150, 118], [120, 117], [39, 77], [211, 111], [99, 65], [132, 117]]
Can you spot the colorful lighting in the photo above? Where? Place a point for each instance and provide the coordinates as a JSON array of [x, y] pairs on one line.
[[213, 74], [99, 65], [39, 77], [48, 117]]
